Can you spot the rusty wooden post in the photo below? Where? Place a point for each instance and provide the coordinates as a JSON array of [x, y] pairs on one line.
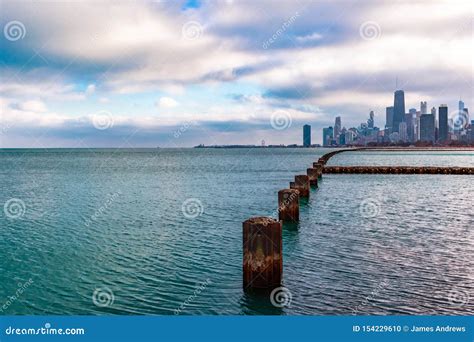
[[288, 205], [319, 167], [313, 176], [262, 249], [301, 184]]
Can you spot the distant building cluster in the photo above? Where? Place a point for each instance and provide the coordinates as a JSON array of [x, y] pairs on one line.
[[417, 127]]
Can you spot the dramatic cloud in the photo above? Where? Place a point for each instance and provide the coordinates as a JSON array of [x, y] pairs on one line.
[[225, 66]]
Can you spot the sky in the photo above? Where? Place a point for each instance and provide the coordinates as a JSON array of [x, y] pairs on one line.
[[181, 73]]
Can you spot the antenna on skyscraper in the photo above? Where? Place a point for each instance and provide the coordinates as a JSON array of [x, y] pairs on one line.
[[396, 83]]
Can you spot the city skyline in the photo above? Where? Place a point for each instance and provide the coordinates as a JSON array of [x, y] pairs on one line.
[[439, 126], [147, 74]]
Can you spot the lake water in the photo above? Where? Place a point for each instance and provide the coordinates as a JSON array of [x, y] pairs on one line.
[[159, 231]]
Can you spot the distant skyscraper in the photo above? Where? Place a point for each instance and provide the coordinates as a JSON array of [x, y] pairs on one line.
[[349, 137], [327, 136], [462, 118], [370, 122], [402, 131], [427, 127], [342, 138], [337, 127], [306, 135], [423, 107], [389, 118], [466, 113], [398, 109], [443, 123], [433, 111], [417, 126], [410, 126], [472, 131]]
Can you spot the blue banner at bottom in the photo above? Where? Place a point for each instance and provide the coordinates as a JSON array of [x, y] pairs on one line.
[[237, 328]]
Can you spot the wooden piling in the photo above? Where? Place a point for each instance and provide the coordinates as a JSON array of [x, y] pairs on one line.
[[262, 253], [289, 205], [313, 176], [301, 184], [319, 167], [400, 170]]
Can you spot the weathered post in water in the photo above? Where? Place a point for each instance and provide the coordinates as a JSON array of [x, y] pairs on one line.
[[320, 168], [301, 184], [262, 248], [289, 205], [313, 176]]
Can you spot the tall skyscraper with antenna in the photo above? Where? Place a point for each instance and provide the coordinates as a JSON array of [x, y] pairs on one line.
[[398, 109], [337, 127]]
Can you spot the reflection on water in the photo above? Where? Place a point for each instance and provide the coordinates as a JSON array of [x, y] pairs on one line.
[[114, 220]]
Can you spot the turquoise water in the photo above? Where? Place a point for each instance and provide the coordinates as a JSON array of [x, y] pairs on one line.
[[405, 158], [159, 231]]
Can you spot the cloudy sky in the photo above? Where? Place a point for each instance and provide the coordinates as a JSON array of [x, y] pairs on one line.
[[180, 73]]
